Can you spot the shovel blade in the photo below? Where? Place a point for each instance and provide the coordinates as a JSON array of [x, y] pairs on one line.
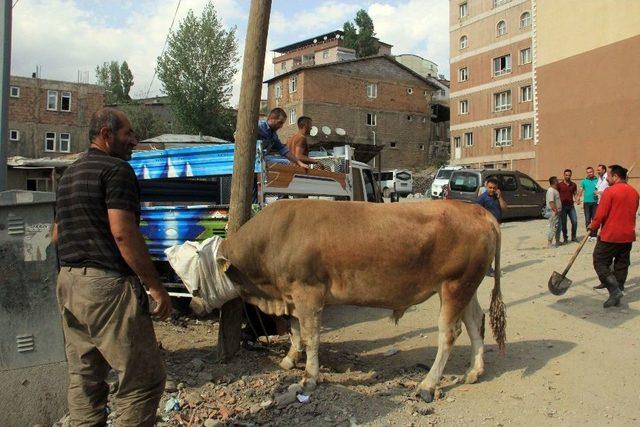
[[558, 284]]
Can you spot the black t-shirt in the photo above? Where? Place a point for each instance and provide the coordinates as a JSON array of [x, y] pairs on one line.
[[94, 183]]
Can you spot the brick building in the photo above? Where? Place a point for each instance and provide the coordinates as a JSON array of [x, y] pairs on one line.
[[47, 118], [376, 100]]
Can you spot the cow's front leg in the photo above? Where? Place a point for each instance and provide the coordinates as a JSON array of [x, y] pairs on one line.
[[310, 330], [290, 360]]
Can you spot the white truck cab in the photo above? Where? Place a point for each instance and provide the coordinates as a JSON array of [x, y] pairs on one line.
[[441, 178]]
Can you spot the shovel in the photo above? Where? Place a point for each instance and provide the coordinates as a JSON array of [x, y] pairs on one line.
[[558, 283]]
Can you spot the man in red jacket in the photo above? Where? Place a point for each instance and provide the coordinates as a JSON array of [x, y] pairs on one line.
[[617, 215]]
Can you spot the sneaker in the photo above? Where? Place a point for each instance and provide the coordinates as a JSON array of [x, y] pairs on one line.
[[593, 239], [575, 240]]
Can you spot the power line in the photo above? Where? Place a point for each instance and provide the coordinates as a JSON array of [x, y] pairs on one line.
[[166, 40]]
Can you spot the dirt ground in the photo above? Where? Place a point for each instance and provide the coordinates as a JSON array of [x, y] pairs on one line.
[[568, 360]]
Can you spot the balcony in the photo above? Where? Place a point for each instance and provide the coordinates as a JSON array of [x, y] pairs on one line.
[[303, 64]]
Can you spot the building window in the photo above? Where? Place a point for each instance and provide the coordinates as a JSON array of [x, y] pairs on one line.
[[502, 101], [421, 147], [65, 143], [525, 56], [463, 74], [463, 10], [293, 84], [526, 94], [283, 66], [456, 142], [525, 20], [393, 145], [14, 92], [409, 118], [38, 184], [14, 135], [443, 92], [501, 28], [410, 90], [502, 136], [278, 90], [497, 3], [52, 100], [65, 101], [50, 141], [371, 119], [293, 117], [463, 107], [372, 90], [502, 65], [463, 42], [468, 139], [325, 54], [526, 131]]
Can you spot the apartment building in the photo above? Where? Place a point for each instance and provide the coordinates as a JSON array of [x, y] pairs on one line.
[[319, 50], [375, 100], [491, 98], [544, 85], [47, 118]]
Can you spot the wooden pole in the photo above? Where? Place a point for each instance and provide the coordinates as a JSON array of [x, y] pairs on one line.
[[242, 180]]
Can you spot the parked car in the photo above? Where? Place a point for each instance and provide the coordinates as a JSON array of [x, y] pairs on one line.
[[397, 181], [524, 196], [442, 178]]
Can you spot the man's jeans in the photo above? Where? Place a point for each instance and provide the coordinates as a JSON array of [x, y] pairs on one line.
[[569, 211], [589, 213]]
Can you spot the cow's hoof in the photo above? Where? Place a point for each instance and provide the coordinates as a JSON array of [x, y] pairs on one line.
[[471, 377], [287, 363], [308, 385], [426, 395]]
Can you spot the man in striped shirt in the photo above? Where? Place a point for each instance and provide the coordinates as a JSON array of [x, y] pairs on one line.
[[103, 257]]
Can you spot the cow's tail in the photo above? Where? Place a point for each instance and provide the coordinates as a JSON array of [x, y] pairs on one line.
[[497, 312]]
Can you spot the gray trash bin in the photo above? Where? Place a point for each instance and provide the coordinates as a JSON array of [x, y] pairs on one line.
[[33, 369]]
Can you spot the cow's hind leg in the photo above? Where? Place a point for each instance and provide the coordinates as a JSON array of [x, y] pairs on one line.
[[310, 331], [473, 319], [290, 360], [449, 328]]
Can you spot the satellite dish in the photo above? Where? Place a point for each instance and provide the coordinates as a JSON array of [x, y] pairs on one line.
[[326, 130], [337, 36], [325, 37], [315, 40], [341, 131], [313, 131]]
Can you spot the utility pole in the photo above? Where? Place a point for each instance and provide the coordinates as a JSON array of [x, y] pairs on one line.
[[244, 157], [5, 33]]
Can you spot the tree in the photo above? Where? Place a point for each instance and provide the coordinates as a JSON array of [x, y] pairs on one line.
[[363, 38], [117, 80], [196, 72], [144, 122]]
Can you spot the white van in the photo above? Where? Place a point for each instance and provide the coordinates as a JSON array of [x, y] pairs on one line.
[[442, 178], [399, 181]]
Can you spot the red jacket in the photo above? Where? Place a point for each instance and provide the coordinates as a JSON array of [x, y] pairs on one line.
[[616, 214]]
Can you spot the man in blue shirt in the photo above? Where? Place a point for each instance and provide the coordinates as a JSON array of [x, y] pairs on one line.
[[267, 133], [492, 201]]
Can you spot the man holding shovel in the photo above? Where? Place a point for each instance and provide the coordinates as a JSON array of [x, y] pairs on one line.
[[616, 215]]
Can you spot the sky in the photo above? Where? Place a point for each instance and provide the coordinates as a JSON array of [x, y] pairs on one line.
[[65, 37]]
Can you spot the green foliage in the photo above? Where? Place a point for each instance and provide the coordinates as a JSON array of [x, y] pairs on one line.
[[117, 80], [196, 72], [144, 122], [361, 39]]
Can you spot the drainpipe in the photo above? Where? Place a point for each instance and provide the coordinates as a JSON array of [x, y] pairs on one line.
[[5, 33], [374, 144]]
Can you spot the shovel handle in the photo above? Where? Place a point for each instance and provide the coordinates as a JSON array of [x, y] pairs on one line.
[[575, 255]]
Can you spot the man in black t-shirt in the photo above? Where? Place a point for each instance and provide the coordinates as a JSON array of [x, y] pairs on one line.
[[103, 257]]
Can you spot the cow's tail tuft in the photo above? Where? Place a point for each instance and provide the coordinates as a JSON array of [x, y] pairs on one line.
[[497, 311]]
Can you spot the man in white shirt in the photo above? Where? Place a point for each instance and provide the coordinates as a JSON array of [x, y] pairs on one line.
[[554, 206], [602, 182]]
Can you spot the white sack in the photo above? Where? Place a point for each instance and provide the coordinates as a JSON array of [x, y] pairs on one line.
[[195, 263]]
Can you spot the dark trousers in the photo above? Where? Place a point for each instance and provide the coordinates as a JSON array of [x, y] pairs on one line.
[[606, 253], [569, 211], [589, 213]]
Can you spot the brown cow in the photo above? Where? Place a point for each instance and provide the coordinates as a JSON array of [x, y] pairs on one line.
[[296, 256]]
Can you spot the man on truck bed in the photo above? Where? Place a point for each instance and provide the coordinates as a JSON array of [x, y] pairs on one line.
[[105, 310], [267, 133], [298, 145]]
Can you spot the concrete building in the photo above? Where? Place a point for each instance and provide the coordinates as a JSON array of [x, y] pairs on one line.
[[376, 100], [422, 66], [544, 85], [47, 119], [491, 99], [319, 50]]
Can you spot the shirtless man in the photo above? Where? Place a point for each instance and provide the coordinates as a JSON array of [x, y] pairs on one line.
[[297, 144]]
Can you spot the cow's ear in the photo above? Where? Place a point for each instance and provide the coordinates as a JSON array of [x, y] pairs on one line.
[[223, 264]]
